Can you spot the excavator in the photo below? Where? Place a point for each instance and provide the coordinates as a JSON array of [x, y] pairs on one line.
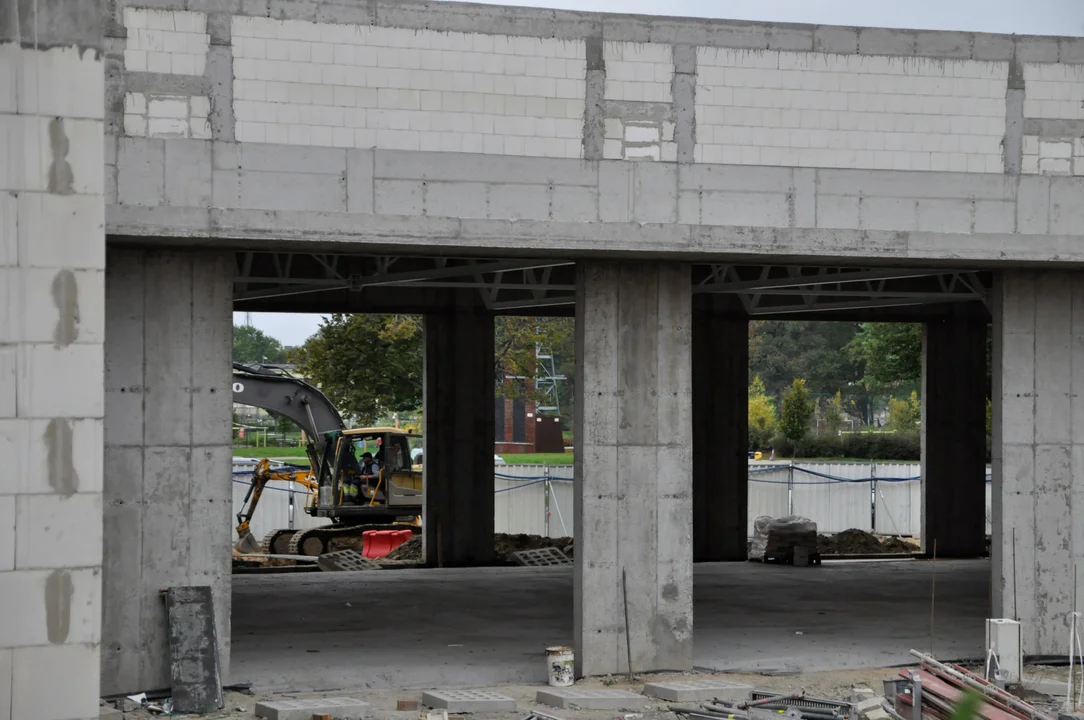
[[392, 501]]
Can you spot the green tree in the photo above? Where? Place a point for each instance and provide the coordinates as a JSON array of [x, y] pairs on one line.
[[904, 415], [781, 351], [989, 419], [762, 418], [890, 354], [514, 352], [251, 345], [797, 411], [834, 415], [368, 365]]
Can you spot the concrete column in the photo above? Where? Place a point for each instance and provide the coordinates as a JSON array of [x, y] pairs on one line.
[[459, 428], [1038, 432], [168, 401], [633, 467], [954, 435], [720, 433], [52, 260]]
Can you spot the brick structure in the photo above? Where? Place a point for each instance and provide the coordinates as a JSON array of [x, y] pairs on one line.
[[515, 421]]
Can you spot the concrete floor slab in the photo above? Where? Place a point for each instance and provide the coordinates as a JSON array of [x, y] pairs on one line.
[[488, 626]]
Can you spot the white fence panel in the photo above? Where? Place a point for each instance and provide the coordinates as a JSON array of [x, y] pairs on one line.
[[834, 506], [520, 502], [769, 492], [899, 499]]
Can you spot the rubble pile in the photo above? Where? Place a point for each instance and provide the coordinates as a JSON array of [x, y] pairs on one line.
[[860, 542]]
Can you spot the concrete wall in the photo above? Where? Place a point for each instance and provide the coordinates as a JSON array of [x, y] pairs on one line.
[[443, 123], [167, 453], [52, 258], [1038, 454], [634, 467]]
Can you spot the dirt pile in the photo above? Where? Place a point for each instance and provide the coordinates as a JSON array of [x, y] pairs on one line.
[[410, 551], [860, 542], [504, 545]]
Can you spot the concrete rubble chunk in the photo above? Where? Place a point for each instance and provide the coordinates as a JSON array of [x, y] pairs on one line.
[[108, 712], [697, 690], [865, 707], [460, 701], [343, 708], [590, 699]]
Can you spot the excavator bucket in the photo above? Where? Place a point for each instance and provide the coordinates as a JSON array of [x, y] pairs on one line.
[[246, 543]]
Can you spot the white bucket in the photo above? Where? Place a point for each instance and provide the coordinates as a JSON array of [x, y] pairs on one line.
[[560, 663]]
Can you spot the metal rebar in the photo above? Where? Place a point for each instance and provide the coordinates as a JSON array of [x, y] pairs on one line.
[[986, 689]]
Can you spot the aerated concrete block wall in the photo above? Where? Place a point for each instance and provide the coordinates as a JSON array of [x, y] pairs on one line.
[[52, 258], [451, 121]]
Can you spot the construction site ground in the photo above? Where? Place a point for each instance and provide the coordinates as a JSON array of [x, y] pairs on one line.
[[480, 627]]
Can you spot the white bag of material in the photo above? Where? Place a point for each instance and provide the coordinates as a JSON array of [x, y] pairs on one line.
[[779, 536]]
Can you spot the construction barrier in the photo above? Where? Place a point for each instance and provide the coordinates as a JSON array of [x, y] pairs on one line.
[[884, 498]]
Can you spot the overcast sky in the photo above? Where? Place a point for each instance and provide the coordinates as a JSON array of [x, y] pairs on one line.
[[1037, 17]]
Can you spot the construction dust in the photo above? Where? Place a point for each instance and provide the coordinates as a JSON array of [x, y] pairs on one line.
[[860, 542]]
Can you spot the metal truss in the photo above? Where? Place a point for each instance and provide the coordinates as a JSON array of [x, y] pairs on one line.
[[509, 285], [795, 289], [502, 284]]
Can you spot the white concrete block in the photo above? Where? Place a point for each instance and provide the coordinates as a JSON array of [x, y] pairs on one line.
[[8, 379], [7, 534], [53, 382], [58, 606], [9, 230], [737, 208], [33, 671], [61, 306], [61, 230], [167, 128], [66, 532]]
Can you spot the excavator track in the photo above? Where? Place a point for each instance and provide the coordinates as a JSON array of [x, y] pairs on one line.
[[316, 541], [277, 542]]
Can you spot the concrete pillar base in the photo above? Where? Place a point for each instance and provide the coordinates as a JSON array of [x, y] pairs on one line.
[[633, 467]]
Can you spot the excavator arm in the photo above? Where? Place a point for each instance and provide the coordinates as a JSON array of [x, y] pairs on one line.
[[261, 475], [278, 392]]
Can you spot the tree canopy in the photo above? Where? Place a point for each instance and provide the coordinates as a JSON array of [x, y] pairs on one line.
[[371, 365], [781, 351], [251, 345], [368, 365], [890, 354]]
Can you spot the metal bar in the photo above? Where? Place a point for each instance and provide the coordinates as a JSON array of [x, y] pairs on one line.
[[460, 270], [856, 305], [826, 279], [986, 689]]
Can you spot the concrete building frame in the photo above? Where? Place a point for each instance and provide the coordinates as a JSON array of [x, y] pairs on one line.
[[705, 162]]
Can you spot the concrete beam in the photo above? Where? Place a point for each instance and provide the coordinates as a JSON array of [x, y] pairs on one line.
[[633, 468]]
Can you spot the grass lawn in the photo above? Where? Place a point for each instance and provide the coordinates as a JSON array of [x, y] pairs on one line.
[[268, 452]]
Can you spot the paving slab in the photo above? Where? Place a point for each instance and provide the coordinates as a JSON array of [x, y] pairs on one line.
[[697, 690], [341, 708], [346, 561], [457, 701], [590, 699], [542, 557]]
